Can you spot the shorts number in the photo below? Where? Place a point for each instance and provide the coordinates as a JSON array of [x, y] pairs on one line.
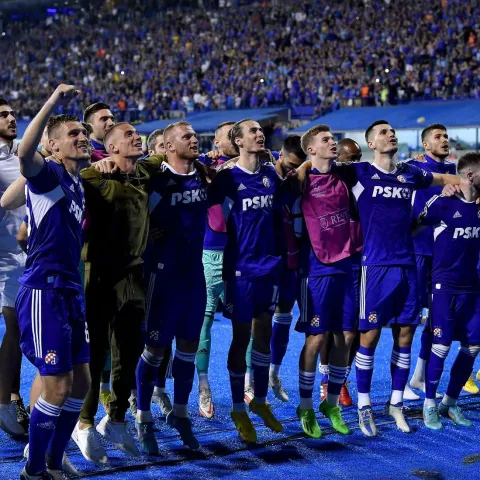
[[87, 335]]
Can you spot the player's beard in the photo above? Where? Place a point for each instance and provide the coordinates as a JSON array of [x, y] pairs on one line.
[[441, 155], [7, 135]]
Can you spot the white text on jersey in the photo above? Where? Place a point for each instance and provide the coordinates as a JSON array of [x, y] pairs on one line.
[[189, 196], [392, 192], [468, 232], [261, 201]]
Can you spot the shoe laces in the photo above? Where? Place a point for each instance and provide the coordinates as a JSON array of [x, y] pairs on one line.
[[93, 441], [20, 409], [366, 415], [431, 413], [165, 400], [205, 397]]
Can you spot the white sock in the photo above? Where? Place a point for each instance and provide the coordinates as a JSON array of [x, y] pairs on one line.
[[306, 403], [419, 373], [429, 402], [396, 397], [238, 407], [248, 378], [274, 370], [144, 416], [180, 410], [364, 400], [448, 401], [159, 390], [323, 369], [203, 381]]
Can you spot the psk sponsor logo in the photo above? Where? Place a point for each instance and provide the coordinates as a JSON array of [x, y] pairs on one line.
[[401, 178], [437, 331], [266, 181], [372, 318], [154, 335], [51, 358], [315, 321]]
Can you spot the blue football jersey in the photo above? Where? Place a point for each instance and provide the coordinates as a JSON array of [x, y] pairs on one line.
[[55, 208], [253, 216], [384, 206], [423, 242], [456, 244], [178, 207]]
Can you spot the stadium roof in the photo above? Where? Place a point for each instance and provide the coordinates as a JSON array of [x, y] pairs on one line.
[[207, 121], [463, 113]]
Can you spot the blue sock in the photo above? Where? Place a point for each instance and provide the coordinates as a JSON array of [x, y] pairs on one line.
[[434, 369], [306, 381], [146, 373], [364, 369], [160, 381], [336, 378], [43, 421], [65, 425], [426, 340], [461, 370], [280, 336], [399, 370], [183, 372], [237, 385], [260, 365]]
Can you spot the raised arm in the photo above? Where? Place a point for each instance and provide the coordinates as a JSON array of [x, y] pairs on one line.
[[14, 195], [31, 162]]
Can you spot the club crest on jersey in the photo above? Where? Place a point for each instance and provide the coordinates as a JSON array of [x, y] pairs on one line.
[[315, 321], [437, 332], [51, 358], [401, 178], [154, 334], [478, 214], [266, 181], [372, 318]]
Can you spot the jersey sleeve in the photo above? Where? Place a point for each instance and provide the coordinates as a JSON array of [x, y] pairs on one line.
[[347, 171], [421, 178], [45, 180], [431, 214], [205, 159], [153, 163], [217, 190], [94, 181]]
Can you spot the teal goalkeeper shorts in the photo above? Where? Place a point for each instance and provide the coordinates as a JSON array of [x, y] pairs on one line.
[[212, 264]]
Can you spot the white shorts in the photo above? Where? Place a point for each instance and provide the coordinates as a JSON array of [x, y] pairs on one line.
[[12, 266]]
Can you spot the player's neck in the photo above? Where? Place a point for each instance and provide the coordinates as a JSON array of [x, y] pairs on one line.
[[435, 157], [73, 167], [180, 165], [470, 193], [126, 165], [323, 165], [7, 142], [96, 140], [386, 161], [248, 161]]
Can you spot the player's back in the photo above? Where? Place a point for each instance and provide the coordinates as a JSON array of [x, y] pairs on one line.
[[384, 204], [55, 206], [178, 207], [423, 242], [457, 244], [251, 211]]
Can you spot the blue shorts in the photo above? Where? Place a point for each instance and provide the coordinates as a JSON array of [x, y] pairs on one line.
[[248, 298], [455, 317], [424, 275], [53, 330], [327, 304], [356, 273], [388, 295], [175, 307], [287, 290]]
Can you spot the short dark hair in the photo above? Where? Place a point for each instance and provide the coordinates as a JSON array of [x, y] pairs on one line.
[[430, 128], [471, 159], [223, 124], [293, 144], [237, 132], [109, 132], [308, 136], [58, 120], [373, 125], [88, 128], [3, 102], [152, 138], [92, 109]]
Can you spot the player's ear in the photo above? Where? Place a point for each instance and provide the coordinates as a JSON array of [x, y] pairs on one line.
[[238, 141], [215, 142], [52, 145], [310, 150], [371, 145]]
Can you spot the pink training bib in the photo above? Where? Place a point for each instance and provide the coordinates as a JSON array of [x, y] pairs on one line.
[[216, 220], [326, 209]]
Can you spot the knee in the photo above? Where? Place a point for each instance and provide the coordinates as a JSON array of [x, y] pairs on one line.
[[156, 351], [349, 338], [470, 350], [314, 343]]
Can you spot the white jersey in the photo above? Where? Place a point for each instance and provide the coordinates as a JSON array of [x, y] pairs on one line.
[[10, 220]]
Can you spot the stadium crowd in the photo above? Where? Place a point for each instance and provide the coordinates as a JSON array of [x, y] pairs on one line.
[[146, 62]]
